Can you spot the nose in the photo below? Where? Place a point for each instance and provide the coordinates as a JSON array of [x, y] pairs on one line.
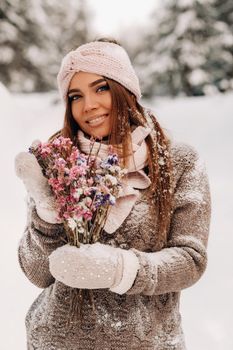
[[90, 103]]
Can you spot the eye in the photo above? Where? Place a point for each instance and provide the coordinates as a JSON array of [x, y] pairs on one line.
[[102, 88], [74, 97]]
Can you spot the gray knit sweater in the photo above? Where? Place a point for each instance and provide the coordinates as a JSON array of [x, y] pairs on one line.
[[147, 316]]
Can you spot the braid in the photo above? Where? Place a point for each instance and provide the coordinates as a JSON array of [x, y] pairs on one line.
[[161, 174], [160, 166]]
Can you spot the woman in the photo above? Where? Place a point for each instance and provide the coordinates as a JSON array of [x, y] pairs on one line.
[[154, 241]]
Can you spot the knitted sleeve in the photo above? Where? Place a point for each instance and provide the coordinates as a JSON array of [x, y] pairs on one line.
[[183, 261], [38, 242]]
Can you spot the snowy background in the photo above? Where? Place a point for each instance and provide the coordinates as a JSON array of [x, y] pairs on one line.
[[180, 49], [177, 46], [204, 122]]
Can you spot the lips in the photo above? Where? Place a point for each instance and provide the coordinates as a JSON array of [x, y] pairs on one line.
[[97, 120]]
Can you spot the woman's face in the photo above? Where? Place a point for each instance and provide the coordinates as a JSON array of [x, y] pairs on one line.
[[91, 103]]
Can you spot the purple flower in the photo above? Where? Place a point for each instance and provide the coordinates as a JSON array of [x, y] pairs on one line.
[[112, 159]]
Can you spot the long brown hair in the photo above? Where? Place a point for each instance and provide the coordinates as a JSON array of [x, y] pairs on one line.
[[126, 114]]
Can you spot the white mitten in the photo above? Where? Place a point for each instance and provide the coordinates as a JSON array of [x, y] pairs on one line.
[[29, 171], [94, 266]]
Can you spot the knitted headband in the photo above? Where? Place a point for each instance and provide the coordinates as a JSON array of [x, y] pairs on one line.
[[103, 58]]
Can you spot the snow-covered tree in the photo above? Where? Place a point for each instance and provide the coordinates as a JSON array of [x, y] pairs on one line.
[[224, 11], [187, 50], [224, 16], [34, 36]]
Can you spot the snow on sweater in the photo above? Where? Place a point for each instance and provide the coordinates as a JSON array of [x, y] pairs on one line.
[[147, 316]]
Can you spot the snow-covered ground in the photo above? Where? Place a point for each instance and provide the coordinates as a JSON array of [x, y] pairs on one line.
[[207, 124]]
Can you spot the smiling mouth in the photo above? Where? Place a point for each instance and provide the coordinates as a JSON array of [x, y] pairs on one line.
[[97, 120]]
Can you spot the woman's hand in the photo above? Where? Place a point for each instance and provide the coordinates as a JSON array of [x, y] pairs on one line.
[[29, 171], [94, 266]]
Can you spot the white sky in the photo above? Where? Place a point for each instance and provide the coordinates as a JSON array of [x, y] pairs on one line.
[[109, 16]]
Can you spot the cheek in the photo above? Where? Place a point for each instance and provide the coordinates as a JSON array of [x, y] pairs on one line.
[[76, 114]]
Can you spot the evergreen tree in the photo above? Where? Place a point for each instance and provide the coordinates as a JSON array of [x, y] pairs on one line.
[[17, 31], [186, 52], [224, 16], [34, 36], [224, 11]]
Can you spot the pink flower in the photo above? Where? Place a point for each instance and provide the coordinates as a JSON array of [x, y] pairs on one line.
[[75, 172], [90, 181], [56, 185], [60, 164], [82, 184], [45, 151], [87, 215], [74, 155], [88, 201]]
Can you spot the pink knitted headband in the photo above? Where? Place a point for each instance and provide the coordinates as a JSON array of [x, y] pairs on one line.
[[103, 58]]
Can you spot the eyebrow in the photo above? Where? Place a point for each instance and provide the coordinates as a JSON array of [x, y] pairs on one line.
[[90, 85]]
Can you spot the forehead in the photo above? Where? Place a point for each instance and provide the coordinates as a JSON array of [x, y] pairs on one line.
[[82, 79]]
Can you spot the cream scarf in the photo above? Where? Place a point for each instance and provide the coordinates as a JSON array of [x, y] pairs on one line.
[[134, 179]]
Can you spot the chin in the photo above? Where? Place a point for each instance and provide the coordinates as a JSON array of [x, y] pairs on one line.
[[99, 135]]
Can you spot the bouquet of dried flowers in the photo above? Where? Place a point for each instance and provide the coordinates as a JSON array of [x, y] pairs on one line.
[[84, 186]]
